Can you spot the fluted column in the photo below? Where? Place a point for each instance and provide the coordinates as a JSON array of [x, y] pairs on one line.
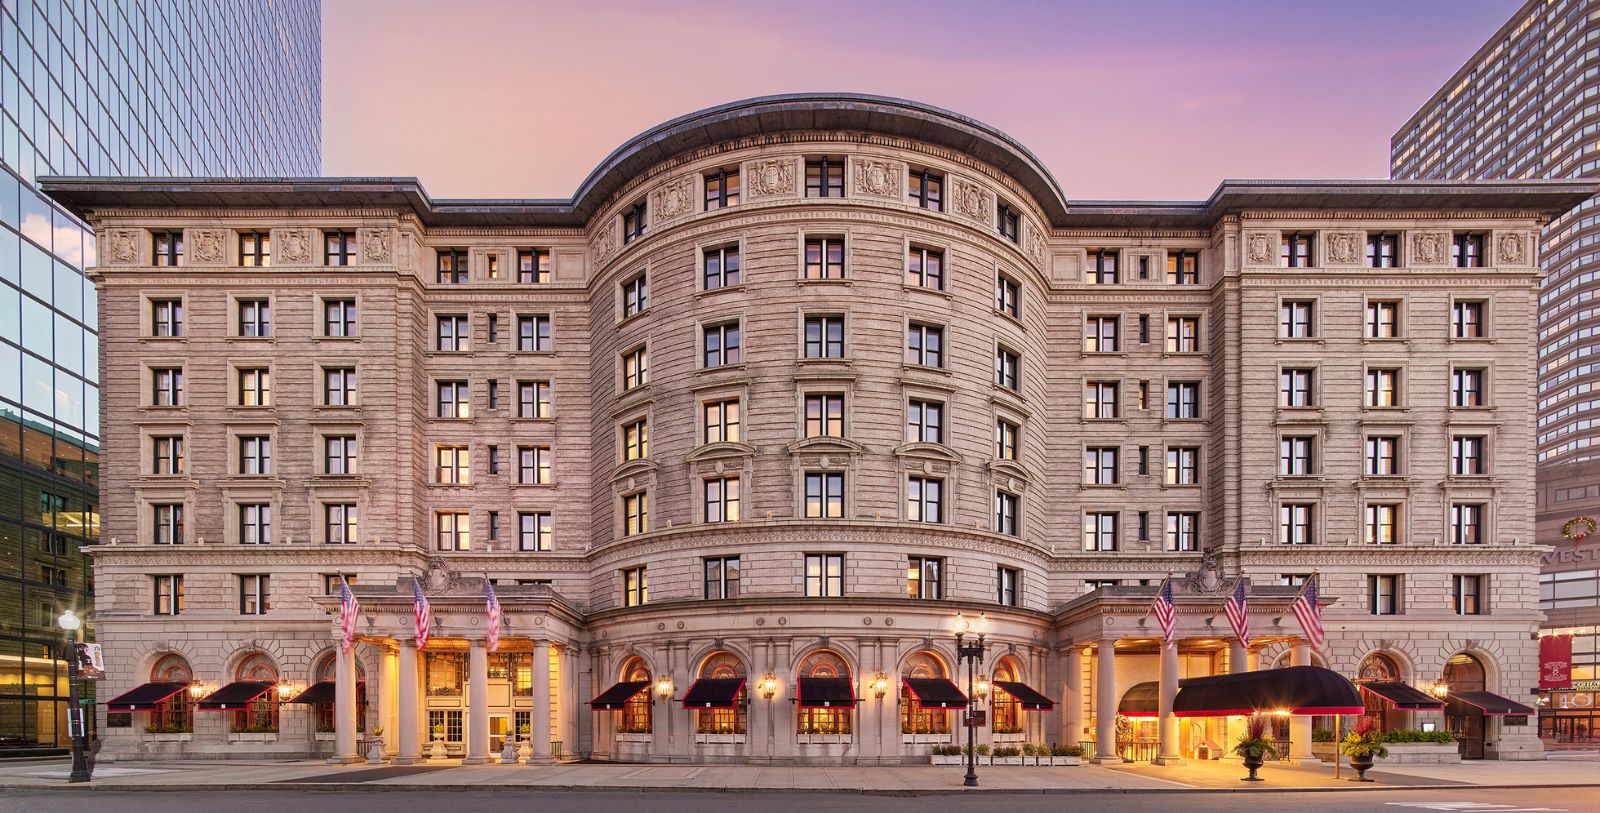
[[1072, 698], [477, 704], [344, 707], [408, 747], [541, 702], [388, 694], [1168, 722], [1105, 701], [1300, 725]]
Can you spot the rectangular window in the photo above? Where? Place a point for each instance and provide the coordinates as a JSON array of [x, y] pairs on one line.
[[1007, 369], [1297, 319], [491, 265], [533, 266], [1466, 320], [1100, 399], [1183, 399], [1007, 513], [1183, 268], [533, 463], [1183, 465], [451, 265], [1183, 334], [1383, 595], [1383, 455], [636, 440], [824, 416], [1009, 582], [635, 369], [452, 465], [721, 269], [824, 337], [253, 595], [535, 531], [167, 454], [1383, 250], [1008, 222], [452, 334], [925, 345], [1294, 523], [533, 399], [1102, 268], [533, 334], [721, 421], [454, 531], [1468, 251], [635, 514], [1100, 466], [494, 393], [255, 387], [1100, 334], [924, 422], [1007, 440], [721, 499], [824, 495], [166, 248], [1382, 523], [925, 578], [455, 399], [1466, 523], [1100, 531], [339, 318], [1297, 456], [166, 318], [338, 247], [635, 296], [1383, 319], [255, 523], [1295, 250], [824, 258], [1467, 594], [255, 454], [1466, 387], [824, 575], [721, 577], [1295, 387], [168, 523], [1383, 388], [1008, 296], [494, 469], [721, 345], [1183, 531], [339, 386], [167, 598], [635, 587], [255, 249], [494, 516], [825, 178], [634, 222], [1467, 455], [722, 189], [926, 189], [255, 318], [492, 327], [340, 523], [925, 268]]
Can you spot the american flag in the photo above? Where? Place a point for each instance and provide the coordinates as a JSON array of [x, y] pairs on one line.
[[349, 609], [1164, 610], [1310, 615], [1238, 609], [424, 616], [491, 611]]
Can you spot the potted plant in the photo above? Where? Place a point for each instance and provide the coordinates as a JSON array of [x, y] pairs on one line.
[[983, 754], [375, 746], [437, 751], [1066, 755], [1255, 745], [1362, 745], [525, 749], [1008, 755], [947, 755]]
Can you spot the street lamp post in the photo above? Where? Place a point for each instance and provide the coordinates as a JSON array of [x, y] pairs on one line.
[[76, 724], [972, 654]]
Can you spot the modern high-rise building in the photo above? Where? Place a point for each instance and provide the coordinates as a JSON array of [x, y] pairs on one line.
[[106, 88], [1527, 105], [739, 430]]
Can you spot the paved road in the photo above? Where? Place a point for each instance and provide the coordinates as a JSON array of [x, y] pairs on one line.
[[1467, 800]]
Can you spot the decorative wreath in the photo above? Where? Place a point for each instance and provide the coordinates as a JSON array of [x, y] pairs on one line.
[[1578, 528]]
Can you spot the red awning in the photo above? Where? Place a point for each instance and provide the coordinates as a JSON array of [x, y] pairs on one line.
[[935, 693], [1141, 700], [1303, 690], [713, 693], [146, 697], [614, 698], [1025, 695], [1493, 705], [235, 696], [1403, 696]]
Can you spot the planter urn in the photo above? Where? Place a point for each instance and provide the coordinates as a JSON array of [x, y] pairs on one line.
[[1253, 762], [375, 750], [1361, 763]]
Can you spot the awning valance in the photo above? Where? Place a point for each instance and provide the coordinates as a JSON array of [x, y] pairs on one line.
[[618, 695], [826, 692], [1025, 695], [235, 696], [1141, 700], [1403, 696], [935, 693], [146, 697], [1492, 704], [713, 693], [1293, 690], [317, 694]]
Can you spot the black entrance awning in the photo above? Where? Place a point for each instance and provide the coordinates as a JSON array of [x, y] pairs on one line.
[[317, 694], [618, 695], [713, 693], [935, 693], [1493, 705], [826, 692], [146, 697], [1294, 690], [1141, 700], [1404, 696], [235, 696], [1025, 695]]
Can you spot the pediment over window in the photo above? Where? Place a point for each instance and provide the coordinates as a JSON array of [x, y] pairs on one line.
[[1009, 470], [826, 446], [717, 451], [635, 470], [927, 451]]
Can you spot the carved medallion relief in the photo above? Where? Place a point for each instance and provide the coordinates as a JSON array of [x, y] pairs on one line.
[[1344, 247], [972, 200], [769, 177], [207, 246], [293, 246], [673, 199], [1258, 248], [1511, 249], [377, 245], [1430, 247], [874, 177], [123, 246]]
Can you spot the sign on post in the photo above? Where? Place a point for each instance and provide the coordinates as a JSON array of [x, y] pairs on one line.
[[91, 663]]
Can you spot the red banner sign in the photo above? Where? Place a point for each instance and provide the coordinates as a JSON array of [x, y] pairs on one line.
[[1555, 662]]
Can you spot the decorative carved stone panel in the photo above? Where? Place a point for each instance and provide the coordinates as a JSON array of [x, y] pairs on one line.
[[1260, 248], [971, 200], [122, 246], [1035, 242], [605, 241], [769, 177], [292, 246], [673, 199], [1344, 247], [1510, 248], [206, 246], [875, 177], [377, 245], [1429, 248]]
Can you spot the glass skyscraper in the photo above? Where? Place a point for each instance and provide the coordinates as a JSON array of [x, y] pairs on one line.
[[106, 87]]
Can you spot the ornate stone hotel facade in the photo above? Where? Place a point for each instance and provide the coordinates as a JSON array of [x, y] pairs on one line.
[[786, 386]]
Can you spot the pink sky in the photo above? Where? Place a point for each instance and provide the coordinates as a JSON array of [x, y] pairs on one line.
[[1126, 100]]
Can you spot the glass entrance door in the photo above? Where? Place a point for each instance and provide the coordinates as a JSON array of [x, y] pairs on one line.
[[499, 729]]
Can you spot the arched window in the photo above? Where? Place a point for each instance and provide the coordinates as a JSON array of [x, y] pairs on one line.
[[327, 672], [1465, 673], [261, 714], [1378, 668], [723, 721], [824, 664], [636, 712], [1007, 711], [175, 715], [913, 718]]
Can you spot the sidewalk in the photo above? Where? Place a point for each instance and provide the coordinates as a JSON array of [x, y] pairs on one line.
[[908, 780]]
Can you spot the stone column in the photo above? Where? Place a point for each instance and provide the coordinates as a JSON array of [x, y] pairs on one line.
[[344, 707], [1105, 701], [477, 704], [388, 694], [408, 745], [1299, 725], [1072, 698], [1238, 657], [1167, 721], [541, 703], [567, 701]]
